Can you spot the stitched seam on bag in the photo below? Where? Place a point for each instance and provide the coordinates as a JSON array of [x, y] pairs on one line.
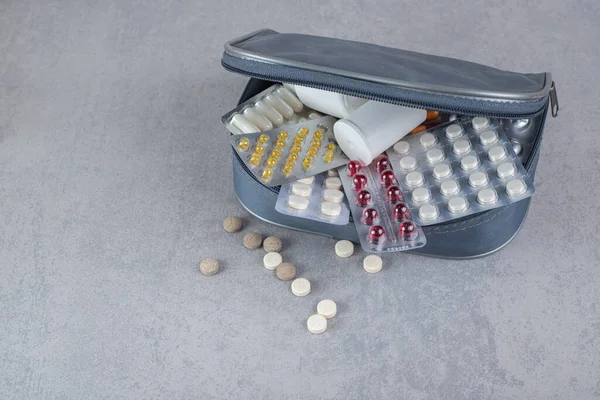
[[468, 224]]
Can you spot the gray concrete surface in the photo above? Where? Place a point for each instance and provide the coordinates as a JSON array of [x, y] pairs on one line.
[[115, 176]]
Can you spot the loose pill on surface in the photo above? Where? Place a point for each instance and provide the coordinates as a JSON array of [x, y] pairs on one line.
[[309, 180], [372, 264], [435, 155], [301, 189], [252, 240], [316, 324], [462, 146], [298, 202], [272, 260], [442, 171], [290, 99], [243, 144], [449, 188], [469, 162], [333, 183], [209, 266], [332, 172], [480, 123], [414, 179], [232, 224], [478, 179], [516, 187], [454, 131], [428, 140], [497, 153], [282, 107], [285, 271], [457, 204], [344, 248], [243, 124], [272, 114], [300, 287], [506, 170], [258, 119], [408, 163], [333, 195], [402, 148], [488, 138], [272, 244], [428, 212], [487, 196], [330, 208], [327, 308], [421, 195]]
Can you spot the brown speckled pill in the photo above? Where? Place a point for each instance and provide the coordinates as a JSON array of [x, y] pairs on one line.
[[285, 271], [209, 266], [253, 240], [232, 224], [272, 244]]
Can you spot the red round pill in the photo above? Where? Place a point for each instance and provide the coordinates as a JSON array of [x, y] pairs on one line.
[[376, 234], [381, 163], [393, 195], [363, 198], [359, 182], [387, 178], [353, 167], [408, 231], [370, 216], [400, 212]]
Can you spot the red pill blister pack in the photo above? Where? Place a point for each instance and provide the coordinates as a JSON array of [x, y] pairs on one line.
[[382, 218]]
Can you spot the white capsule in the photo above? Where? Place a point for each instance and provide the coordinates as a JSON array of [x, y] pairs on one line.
[[258, 119], [269, 112], [279, 105], [290, 99], [234, 129], [243, 124]]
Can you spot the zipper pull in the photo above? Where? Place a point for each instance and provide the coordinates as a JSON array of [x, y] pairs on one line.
[[553, 100]]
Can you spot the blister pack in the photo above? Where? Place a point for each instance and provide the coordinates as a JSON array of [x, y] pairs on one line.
[[383, 220], [271, 108], [318, 198], [291, 152], [458, 169]]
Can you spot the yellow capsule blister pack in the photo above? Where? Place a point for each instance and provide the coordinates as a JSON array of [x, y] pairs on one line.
[[290, 152]]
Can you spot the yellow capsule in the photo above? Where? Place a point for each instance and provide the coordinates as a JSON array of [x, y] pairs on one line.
[[276, 153], [328, 156], [292, 158], [298, 139], [280, 144], [296, 149], [316, 143], [331, 147], [312, 152], [318, 135], [307, 162], [283, 135], [254, 159], [267, 174], [243, 144], [271, 162], [258, 149], [303, 132], [288, 168], [262, 139]]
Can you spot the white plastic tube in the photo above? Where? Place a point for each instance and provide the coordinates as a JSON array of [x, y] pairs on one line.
[[375, 127], [335, 104]]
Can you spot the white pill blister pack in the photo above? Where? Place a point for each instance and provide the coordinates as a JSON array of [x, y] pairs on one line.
[[383, 221], [271, 108], [290, 152], [318, 198], [458, 169]]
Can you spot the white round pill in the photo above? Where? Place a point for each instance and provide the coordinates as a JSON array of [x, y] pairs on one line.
[[333, 183], [506, 170], [442, 171], [414, 179], [316, 324], [454, 131], [301, 189], [333, 172], [516, 187], [402, 148], [372, 263], [333, 195], [487, 196], [300, 287], [428, 140], [330, 208], [327, 308], [478, 179], [480, 123], [308, 180], [408, 163], [488, 138], [469, 162], [497, 153], [435, 155], [298, 202], [421, 195], [272, 260], [344, 248], [457, 204], [428, 212], [450, 187], [462, 146]]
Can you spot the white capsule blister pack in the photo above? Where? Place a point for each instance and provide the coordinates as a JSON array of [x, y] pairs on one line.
[[383, 221], [458, 169], [290, 152], [271, 108], [318, 198]]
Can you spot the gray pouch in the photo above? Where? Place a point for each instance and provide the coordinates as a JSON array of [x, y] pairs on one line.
[[520, 101]]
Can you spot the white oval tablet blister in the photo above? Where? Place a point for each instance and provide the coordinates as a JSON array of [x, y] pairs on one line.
[[333, 195], [298, 202], [330, 208], [301, 189]]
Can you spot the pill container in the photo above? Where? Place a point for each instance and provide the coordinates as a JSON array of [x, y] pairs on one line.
[[458, 169], [330, 103], [383, 220], [374, 127]]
